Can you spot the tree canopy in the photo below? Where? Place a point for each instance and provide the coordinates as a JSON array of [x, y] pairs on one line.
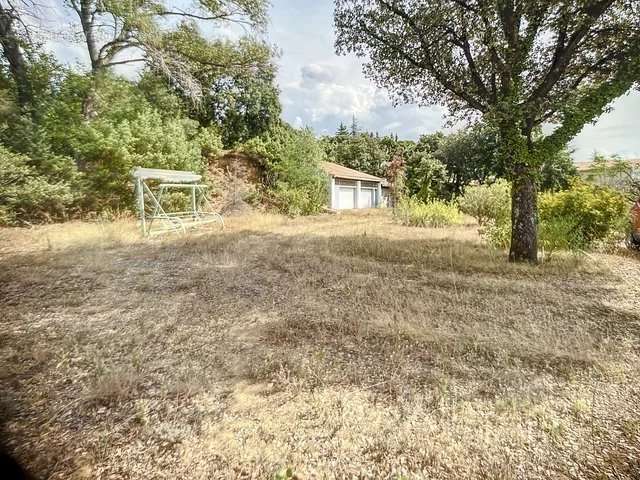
[[517, 63]]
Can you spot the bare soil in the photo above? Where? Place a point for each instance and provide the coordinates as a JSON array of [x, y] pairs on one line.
[[341, 346]]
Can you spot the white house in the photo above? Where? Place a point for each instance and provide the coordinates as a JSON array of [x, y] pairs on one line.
[[350, 189]]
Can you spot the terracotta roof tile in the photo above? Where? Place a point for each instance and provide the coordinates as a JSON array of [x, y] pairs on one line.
[[340, 171]]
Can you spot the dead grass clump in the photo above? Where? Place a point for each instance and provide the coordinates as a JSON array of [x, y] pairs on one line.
[[113, 385]]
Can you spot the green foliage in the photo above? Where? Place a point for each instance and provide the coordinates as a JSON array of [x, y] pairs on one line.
[[572, 219], [470, 156], [110, 150], [598, 212], [426, 177], [127, 131], [435, 213], [244, 104], [210, 142], [560, 233], [292, 159], [361, 151], [557, 172], [488, 203], [497, 233], [501, 61], [26, 196]]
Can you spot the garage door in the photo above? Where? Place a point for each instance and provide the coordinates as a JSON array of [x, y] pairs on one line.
[[346, 198], [367, 198]]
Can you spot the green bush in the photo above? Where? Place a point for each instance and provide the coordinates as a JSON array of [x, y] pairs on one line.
[[598, 213], [110, 150], [560, 233], [497, 233], [570, 220], [126, 131], [412, 212], [28, 196], [291, 158], [489, 203], [554, 234], [426, 177]]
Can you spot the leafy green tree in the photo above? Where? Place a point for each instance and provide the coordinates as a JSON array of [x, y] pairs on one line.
[[294, 179], [364, 151], [517, 63], [14, 36], [342, 132], [28, 196], [167, 37], [128, 131], [113, 28], [430, 142], [24, 133], [557, 172], [470, 156], [426, 176], [361, 152], [244, 104]]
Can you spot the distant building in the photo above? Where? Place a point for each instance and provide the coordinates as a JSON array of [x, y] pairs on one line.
[[611, 173], [351, 189]]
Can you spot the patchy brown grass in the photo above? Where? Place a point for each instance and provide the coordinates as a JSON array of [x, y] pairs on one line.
[[341, 346]]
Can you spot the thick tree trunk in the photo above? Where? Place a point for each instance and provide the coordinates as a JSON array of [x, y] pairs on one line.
[[13, 53], [87, 20], [524, 216]]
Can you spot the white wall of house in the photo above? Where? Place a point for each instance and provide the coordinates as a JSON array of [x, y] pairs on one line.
[[348, 195]]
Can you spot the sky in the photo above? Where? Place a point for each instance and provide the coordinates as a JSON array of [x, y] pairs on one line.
[[320, 89]]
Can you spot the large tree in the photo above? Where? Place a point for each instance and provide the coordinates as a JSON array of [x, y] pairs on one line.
[[14, 36], [167, 36], [518, 63]]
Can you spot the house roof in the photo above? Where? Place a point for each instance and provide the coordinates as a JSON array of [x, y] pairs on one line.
[[586, 166], [340, 171]]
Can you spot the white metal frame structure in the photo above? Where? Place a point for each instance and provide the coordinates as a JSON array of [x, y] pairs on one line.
[[154, 217]]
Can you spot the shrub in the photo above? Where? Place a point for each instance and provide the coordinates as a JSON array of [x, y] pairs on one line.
[[299, 201], [28, 196], [413, 212], [599, 213], [110, 150], [126, 131], [497, 234], [426, 176], [210, 142], [488, 203], [291, 159], [560, 233]]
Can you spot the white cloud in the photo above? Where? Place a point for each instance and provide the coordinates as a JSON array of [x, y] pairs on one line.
[[323, 89], [315, 73], [324, 95]]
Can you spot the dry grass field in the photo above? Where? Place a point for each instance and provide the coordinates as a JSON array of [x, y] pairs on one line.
[[341, 346]]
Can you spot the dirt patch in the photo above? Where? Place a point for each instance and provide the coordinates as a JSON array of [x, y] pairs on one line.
[[238, 179]]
